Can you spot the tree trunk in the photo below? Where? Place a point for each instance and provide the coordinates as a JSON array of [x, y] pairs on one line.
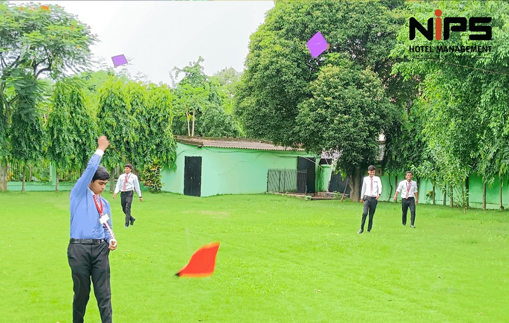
[[418, 182], [188, 128], [31, 173], [484, 194], [445, 195], [192, 131], [434, 191], [500, 193], [463, 201], [112, 180], [467, 186], [3, 176], [344, 192], [57, 180], [355, 185], [23, 178], [451, 197], [390, 185], [396, 181]]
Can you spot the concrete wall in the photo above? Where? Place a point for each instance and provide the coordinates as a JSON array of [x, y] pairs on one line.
[[229, 170]]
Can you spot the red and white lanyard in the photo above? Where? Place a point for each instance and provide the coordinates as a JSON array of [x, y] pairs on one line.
[[126, 180], [99, 205]]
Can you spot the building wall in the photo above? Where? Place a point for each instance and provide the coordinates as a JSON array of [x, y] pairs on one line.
[[229, 170]]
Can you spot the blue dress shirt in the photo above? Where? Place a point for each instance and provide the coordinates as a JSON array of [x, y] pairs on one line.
[[84, 215]]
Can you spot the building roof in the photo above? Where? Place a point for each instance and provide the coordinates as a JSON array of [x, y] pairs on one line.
[[232, 143]]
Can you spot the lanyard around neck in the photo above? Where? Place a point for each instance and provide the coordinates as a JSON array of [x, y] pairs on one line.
[[98, 204]]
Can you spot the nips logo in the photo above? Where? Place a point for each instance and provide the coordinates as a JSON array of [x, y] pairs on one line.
[[474, 25]]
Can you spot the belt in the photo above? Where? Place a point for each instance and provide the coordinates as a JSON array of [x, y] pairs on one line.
[[86, 241], [411, 197], [126, 191]]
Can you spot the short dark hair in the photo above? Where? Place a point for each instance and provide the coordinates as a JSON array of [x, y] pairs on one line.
[[371, 167], [409, 171], [101, 174], [128, 165]]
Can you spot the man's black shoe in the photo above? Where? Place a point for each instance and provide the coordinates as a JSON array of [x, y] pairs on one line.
[[360, 231], [132, 221]]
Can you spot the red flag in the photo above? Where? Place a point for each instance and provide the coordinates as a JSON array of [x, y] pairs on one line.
[[202, 262]]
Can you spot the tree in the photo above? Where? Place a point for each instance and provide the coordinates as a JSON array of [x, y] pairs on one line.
[[27, 133], [284, 90], [116, 121], [217, 123], [192, 94], [71, 127], [228, 80], [157, 146], [280, 68], [463, 92], [348, 110], [35, 41]]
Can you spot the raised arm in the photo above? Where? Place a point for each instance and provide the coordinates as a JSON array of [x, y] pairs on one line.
[[82, 183]]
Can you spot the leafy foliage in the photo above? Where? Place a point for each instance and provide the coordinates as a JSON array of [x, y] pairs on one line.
[[463, 103], [71, 127], [34, 41]]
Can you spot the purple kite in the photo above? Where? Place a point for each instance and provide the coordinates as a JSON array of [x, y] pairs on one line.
[[119, 60], [317, 45]]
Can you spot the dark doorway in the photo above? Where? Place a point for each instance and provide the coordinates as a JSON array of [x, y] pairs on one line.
[[338, 184], [307, 164], [192, 176]]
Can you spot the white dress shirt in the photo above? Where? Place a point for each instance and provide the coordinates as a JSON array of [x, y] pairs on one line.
[[407, 189], [371, 190], [132, 183]]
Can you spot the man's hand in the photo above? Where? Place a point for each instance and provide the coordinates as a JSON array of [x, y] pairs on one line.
[[395, 198], [362, 201], [141, 199], [114, 194], [113, 244], [102, 143]]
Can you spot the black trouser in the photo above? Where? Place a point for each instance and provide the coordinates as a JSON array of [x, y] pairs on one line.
[[126, 200], [405, 203], [369, 205], [90, 260]]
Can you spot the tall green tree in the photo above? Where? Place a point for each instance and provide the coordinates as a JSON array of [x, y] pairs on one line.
[[71, 127], [35, 41], [27, 131], [116, 121], [463, 91], [283, 91], [348, 111], [157, 146], [228, 80]]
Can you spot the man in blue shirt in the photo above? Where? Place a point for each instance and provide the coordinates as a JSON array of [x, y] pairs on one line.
[[91, 238]]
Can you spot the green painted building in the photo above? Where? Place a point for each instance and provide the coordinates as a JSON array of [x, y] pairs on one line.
[[206, 167]]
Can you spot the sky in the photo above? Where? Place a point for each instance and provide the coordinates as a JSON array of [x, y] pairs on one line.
[[156, 36]]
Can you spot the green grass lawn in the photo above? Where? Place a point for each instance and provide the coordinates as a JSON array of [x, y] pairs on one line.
[[281, 259]]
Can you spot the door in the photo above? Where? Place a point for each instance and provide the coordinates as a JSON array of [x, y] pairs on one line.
[[192, 176], [307, 164], [338, 184]]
